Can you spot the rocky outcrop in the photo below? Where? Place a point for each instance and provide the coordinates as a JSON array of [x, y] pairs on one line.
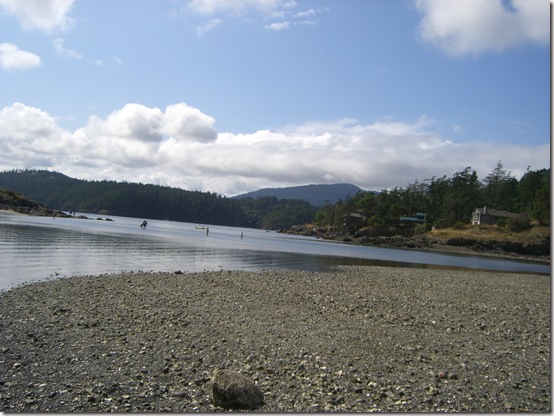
[[540, 248], [232, 390], [12, 201], [325, 233]]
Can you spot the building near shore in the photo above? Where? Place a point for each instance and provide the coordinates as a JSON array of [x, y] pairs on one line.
[[487, 216]]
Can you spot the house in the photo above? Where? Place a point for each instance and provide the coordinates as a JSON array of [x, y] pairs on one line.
[[353, 217], [420, 218], [491, 216], [409, 225]]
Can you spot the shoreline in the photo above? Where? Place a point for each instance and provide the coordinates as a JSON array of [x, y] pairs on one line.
[[434, 248], [448, 249], [355, 339], [11, 211], [494, 246]]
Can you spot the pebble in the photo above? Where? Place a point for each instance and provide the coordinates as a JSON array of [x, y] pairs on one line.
[[355, 339]]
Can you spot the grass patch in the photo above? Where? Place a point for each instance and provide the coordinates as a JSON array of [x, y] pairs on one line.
[[533, 235]]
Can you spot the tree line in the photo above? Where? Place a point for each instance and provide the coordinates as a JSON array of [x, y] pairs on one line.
[[446, 201], [61, 192]]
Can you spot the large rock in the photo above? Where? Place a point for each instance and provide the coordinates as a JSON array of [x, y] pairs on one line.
[[233, 390]]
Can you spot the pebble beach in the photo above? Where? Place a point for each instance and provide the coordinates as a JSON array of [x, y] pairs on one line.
[[355, 339]]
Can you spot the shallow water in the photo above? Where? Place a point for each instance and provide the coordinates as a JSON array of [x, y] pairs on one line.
[[42, 248]]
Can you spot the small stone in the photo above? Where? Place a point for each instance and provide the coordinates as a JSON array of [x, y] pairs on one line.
[[233, 390]]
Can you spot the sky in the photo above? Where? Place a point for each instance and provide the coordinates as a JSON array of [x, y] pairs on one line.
[[231, 96]]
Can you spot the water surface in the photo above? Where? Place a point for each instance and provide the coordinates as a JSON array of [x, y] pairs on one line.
[[41, 248]]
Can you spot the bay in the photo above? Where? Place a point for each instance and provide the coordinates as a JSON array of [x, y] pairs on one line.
[[43, 248]]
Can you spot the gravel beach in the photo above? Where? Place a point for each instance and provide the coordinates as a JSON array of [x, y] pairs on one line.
[[356, 339]]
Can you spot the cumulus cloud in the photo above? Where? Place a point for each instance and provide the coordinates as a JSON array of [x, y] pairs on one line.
[[45, 15], [134, 135], [185, 123], [461, 27], [30, 137], [134, 121], [14, 59], [180, 147]]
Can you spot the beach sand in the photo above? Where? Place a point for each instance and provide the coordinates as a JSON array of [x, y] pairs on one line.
[[357, 339]]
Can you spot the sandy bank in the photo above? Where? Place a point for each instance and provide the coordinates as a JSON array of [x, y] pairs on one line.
[[358, 339]]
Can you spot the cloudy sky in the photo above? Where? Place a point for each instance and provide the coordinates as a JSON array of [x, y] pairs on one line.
[[230, 96]]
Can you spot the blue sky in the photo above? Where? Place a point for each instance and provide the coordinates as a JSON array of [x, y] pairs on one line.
[[230, 96]]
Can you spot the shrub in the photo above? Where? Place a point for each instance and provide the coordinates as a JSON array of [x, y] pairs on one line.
[[420, 229], [459, 226], [518, 224], [501, 222], [441, 223]]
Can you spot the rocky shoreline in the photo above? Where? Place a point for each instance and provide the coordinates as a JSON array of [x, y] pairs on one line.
[[356, 339], [34, 210], [15, 203]]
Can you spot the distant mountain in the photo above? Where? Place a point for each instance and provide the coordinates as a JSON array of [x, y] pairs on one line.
[[317, 195]]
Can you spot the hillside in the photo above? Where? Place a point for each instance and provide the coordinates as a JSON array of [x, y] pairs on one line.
[[61, 192], [12, 201], [317, 195], [137, 200]]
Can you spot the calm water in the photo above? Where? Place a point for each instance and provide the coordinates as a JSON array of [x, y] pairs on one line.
[[40, 248]]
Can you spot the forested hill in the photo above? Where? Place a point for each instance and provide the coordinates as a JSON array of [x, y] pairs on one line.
[[317, 195], [59, 191], [445, 201]]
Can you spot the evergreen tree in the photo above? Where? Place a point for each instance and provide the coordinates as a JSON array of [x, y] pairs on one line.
[[500, 189]]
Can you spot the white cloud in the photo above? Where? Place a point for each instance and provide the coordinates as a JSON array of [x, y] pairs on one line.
[[186, 124], [238, 7], [460, 27], [61, 50], [278, 26], [204, 29], [30, 137], [306, 13], [303, 18], [133, 121], [14, 59], [46, 15], [280, 11], [180, 147], [114, 61]]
